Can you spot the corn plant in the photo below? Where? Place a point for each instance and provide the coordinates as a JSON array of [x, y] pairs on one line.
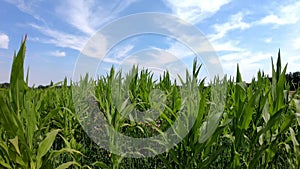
[[25, 140], [226, 124]]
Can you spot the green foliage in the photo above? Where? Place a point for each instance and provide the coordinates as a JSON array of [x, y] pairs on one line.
[[26, 141], [237, 125]]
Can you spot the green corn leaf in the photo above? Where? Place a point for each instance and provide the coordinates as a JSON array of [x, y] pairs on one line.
[[273, 120], [165, 160], [45, 146], [4, 148], [278, 68], [287, 121], [298, 118], [67, 165], [293, 136], [31, 122], [214, 156], [5, 165], [20, 161], [17, 84], [269, 155], [246, 116], [196, 68], [258, 153], [175, 157], [236, 160], [238, 75], [208, 128], [101, 164], [27, 77], [56, 153], [15, 143], [8, 118]]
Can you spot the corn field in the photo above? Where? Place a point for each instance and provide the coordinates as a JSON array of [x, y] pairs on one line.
[[257, 128]]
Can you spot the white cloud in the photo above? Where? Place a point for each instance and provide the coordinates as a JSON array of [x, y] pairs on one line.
[[21, 5], [122, 51], [152, 57], [235, 22], [4, 40], [195, 11], [218, 40], [58, 53], [226, 46], [111, 61], [249, 63], [179, 50], [156, 60], [96, 47], [158, 56], [61, 39], [296, 43], [284, 15], [79, 15], [88, 16], [268, 40], [245, 56], [85, 15], [27, 6], [175, 56], [293, 63]]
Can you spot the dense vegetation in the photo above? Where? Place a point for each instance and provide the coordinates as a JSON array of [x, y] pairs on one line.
[[294, 80], [258, 128], [291, 78]]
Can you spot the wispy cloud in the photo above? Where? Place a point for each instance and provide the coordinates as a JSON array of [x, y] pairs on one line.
[[229, 45], [245, 57], [27, 6], [157, 61], [58, 53], [293, 63], [235, 22], [288, 14], [61, 39], [122, 52], [249, 63], [118, 54], [88, 16], [179, 50], [195, 11], [79, 14], [4, 41], [219, 39]]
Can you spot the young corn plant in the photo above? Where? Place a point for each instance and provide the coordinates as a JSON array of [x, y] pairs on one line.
[[236, 125], [260, 120], [24, 143], [197, 149]]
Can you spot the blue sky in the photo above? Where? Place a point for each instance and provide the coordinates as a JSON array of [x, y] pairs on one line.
[[246, 32]]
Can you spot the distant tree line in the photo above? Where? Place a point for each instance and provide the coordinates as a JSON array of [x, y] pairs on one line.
[[4, 85], [292, 78]]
